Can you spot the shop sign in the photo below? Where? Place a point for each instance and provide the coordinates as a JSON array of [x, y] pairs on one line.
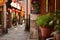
[[15, 5], [2, 2]]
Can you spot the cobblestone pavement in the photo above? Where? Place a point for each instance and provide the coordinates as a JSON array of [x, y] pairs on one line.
[[33, 27], [17, 33]]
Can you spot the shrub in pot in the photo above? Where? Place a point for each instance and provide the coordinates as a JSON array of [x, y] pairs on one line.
[[45, 23], [57, 33]]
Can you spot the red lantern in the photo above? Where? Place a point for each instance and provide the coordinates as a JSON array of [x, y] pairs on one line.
[[16, 10], [15, 1], [13, 10], [8, 9]]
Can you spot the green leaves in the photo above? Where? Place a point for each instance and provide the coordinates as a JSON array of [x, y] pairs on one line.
[[58, 29], [44, 20]]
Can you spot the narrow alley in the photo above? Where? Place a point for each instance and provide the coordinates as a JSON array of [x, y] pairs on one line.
[[29, 19], [17, 33]]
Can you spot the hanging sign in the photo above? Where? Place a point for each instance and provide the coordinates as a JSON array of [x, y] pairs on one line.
[[2, 2], [15, 5]]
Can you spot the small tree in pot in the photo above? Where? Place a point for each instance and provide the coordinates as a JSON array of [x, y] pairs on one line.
[[45, 23]]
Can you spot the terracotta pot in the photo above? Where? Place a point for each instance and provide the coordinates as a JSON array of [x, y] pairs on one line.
[[57, 36], [45, 32]]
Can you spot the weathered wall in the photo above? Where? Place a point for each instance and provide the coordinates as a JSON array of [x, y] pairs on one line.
[[43, 6], [57, 4], [51, 5]]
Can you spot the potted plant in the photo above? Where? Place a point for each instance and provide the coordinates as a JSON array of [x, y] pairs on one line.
[[45, 23], [35, 7], [57, 33]]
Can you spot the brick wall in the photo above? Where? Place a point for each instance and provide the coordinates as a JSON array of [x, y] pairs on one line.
[[43, 6], [58, 4], [51, 5]]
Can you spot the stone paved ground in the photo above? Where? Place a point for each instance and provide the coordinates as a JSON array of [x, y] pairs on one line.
[[33, 30], [33, 27], [17, 33]]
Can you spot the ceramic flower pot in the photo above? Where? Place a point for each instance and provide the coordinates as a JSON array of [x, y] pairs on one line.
[[57, 37], [45, 32]]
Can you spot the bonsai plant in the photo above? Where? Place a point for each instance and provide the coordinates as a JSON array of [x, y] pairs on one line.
[[45, 23]]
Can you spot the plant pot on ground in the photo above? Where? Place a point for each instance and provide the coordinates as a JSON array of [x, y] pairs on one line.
[[57, 33], [45, 23]]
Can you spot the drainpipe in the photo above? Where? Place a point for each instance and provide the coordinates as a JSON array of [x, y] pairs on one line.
[[27, 27]]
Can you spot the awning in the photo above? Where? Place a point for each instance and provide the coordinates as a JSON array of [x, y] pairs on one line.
[[15, 5]]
